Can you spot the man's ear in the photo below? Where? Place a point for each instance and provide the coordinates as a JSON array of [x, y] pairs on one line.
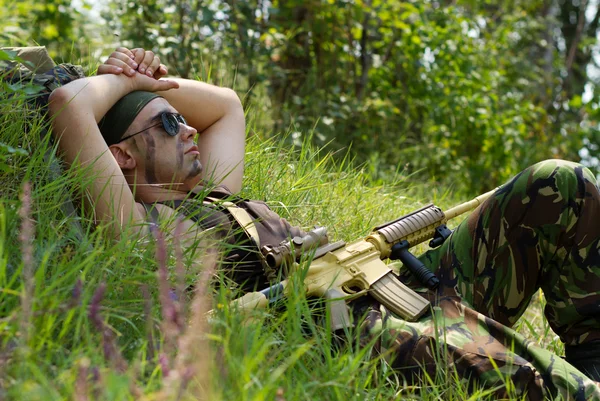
[[123, 156]]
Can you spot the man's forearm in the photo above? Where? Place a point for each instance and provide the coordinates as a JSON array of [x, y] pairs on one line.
[[95, 95], [218, 116], [200, 103]]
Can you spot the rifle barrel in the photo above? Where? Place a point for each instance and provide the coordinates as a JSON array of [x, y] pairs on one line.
[[465, 207]]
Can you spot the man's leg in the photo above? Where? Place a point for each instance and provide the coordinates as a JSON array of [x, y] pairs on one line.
[[541, 229], [456, 343], [538, 230]]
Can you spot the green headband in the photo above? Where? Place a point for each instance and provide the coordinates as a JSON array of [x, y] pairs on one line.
[[116, 121]]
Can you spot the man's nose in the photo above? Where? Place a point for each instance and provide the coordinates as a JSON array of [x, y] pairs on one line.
[[187, 131]]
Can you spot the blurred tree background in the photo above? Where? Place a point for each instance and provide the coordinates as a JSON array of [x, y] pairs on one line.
[[459, 92]]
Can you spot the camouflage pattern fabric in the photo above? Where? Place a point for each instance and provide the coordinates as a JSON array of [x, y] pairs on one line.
[[41, 85], [540, 230]]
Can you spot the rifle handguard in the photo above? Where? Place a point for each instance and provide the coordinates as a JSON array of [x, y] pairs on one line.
[[414, 227]]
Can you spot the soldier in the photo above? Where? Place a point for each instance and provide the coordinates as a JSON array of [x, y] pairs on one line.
[[539, 230]]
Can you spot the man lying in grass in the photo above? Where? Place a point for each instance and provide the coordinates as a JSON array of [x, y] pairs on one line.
[[539, 230]]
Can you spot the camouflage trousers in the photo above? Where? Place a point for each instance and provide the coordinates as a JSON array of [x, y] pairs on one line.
[[539, 230]]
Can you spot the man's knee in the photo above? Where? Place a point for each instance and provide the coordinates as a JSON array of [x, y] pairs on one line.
[[565, 177], [556, 166]]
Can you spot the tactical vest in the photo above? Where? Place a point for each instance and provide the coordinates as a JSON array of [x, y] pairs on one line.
[[244, 226]]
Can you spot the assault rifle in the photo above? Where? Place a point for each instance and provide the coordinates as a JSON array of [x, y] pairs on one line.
[[340, 272]]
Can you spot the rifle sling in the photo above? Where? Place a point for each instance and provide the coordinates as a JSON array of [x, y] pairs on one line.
[[242, 217]]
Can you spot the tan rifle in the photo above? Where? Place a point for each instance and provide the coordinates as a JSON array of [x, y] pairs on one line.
[[340, 272]]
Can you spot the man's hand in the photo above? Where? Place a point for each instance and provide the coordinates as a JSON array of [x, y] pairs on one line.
[[130, 62], [149, 63], [150, 84]]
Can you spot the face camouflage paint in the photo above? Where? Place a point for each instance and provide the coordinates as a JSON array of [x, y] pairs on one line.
[[150, 170], [196, 169]]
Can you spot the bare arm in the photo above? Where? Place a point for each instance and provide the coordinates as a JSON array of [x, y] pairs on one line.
[[215, 112], [218, 116], [76, 108]]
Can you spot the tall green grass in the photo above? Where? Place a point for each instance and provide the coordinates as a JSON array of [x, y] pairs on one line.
[[83, 317]]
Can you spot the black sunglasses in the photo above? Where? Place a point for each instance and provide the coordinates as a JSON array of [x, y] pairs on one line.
[[169, 121]]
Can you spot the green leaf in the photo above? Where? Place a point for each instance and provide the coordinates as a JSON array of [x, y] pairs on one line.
[[9, 55], [4, 149]]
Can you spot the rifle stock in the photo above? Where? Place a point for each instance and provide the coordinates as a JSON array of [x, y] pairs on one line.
[[345, 271]]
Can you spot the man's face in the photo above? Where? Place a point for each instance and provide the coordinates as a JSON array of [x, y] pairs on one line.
[[172, 161]]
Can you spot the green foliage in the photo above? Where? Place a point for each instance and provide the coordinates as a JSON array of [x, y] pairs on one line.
[[451, 91], [467, 94], [9, 155], [51, 23]]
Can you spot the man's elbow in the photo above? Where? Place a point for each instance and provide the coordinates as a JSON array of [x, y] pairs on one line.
[[233, 100], [60, 110], [58, 100]]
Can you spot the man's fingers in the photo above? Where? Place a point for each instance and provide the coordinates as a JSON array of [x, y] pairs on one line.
[[138, 55], [148, 63], [161, 72], [124, 58], [121, 64], [148, 57], [125, 51], [153, 67], [166, 84], [109, 69], [150, 84]]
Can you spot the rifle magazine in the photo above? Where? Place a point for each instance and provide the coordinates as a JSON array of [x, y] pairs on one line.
[[399, 298]]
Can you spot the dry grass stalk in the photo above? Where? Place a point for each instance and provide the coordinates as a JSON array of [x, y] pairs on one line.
[[149, 325], [194, 360], [26, 239], [280, 395], [109, 343], [179, 267], [81, 383], [172, 324], [189, 374]]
